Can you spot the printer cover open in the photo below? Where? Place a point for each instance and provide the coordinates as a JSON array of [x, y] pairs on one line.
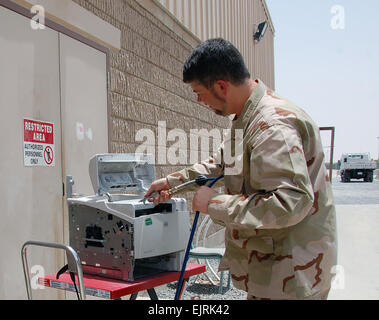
[[118, 236]]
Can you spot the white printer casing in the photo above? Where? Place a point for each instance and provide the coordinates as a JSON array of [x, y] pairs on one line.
[[118, 236]]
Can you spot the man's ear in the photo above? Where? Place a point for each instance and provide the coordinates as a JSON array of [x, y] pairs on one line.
[[222, 86]]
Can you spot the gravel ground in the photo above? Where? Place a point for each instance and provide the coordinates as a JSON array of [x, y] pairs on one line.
[[199, 288], [356, 192]]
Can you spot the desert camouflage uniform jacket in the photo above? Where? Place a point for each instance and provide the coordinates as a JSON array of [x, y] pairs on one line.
[[279, 215]]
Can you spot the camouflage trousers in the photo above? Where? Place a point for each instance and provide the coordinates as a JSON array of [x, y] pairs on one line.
[[318, 296]]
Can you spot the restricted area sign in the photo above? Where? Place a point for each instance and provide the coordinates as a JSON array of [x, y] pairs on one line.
[[39, 147]]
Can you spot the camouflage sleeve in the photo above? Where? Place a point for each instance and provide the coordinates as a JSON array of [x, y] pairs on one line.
[[211, 167], [279, 170]]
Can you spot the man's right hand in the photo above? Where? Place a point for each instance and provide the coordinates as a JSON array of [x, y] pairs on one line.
[[159, 186]]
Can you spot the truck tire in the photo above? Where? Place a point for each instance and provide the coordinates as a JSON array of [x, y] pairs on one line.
[[369, 176], [346, 176]]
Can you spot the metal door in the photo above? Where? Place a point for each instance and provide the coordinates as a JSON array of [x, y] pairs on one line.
[[30, 196], [44, 76], [83, 76]]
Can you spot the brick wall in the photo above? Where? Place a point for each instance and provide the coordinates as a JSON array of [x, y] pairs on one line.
[[146, 76], [146, 79]]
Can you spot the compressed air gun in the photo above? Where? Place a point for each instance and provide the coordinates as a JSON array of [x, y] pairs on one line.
[[200, 181]]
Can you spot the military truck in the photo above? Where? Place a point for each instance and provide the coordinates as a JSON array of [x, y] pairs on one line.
[[357, 166]]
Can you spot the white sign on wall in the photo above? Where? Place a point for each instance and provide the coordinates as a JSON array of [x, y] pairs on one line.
[[39, 147]]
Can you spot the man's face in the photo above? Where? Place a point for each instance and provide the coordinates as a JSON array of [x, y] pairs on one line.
[[211, 97]]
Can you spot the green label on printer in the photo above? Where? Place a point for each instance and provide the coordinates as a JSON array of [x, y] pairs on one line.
[[148, 222]]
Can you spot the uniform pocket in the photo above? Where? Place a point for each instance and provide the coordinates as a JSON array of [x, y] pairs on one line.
[[264, 244]]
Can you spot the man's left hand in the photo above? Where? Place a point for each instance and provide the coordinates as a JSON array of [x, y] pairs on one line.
[[201, 199]]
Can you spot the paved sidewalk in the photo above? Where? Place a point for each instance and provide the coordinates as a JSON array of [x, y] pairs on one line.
[[357, 276]]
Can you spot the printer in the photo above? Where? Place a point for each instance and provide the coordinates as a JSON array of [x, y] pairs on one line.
[[117, 235]]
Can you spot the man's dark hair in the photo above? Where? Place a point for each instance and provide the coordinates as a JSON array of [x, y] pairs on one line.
[[215, 59]]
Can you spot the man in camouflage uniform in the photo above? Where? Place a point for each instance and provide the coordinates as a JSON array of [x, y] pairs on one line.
[[279, 215]]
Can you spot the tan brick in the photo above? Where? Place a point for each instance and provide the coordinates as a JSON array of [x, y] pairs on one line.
[[143, 126], [118, 81], [146, 79], [117, 105], [146, 112]]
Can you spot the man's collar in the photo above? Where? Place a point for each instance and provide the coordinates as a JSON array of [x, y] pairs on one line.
[[250, 105]]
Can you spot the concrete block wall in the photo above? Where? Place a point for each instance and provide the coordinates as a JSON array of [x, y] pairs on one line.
[[146, 79]]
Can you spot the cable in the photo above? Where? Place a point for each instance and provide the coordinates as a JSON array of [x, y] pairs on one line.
[[72, 275], [179, 288]]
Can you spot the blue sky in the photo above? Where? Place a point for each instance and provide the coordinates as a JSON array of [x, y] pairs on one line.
[[332, 73]]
